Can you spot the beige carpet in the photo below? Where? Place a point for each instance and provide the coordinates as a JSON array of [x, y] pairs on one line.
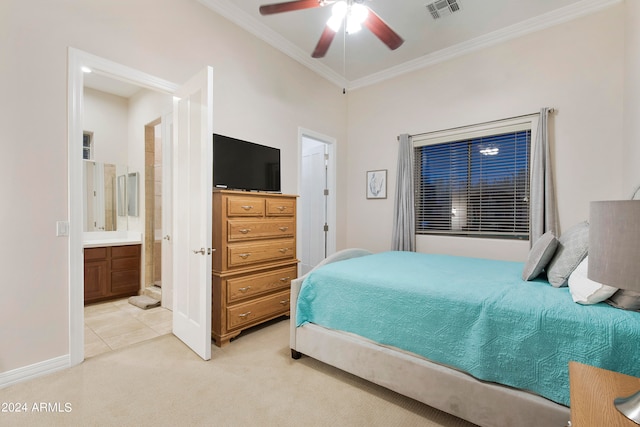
[[251, 382]]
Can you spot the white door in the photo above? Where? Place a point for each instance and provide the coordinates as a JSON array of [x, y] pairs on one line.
[[167, 212], [313, 205], [192, 159]]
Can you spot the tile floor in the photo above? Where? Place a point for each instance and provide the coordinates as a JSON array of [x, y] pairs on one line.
[[115, 324]]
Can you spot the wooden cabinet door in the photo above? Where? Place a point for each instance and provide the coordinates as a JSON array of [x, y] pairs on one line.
[[95, 279], [125, 270]]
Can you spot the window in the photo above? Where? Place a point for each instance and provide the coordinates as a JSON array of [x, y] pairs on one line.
[[87, 145], [474, 182]]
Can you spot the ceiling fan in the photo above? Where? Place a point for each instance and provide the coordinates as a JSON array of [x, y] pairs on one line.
[[353, 12]]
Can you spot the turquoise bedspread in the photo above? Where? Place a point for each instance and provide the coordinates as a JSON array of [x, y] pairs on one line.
[[475, 315]]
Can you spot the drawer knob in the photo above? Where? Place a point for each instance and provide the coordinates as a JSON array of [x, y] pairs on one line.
[[283, 302], [247, 207], [244, 256], [284, 250], [284, 228], [285, 279], [281, 208], [244, 230], [244, 315], [245, 289]]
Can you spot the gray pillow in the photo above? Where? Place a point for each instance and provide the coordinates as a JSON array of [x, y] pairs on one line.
[[625, 299], [540, 255], [573, 246]]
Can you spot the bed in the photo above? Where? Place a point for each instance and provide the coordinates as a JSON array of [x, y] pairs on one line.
[[466, 336]]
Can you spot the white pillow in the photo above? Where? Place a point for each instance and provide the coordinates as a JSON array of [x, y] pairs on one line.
[[586, 291]]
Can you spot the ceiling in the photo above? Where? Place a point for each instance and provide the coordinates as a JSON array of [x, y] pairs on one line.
[[108, 84], [360, 59]]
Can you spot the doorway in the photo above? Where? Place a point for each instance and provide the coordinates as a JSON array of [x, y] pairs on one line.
[[317, 222], [158, 279], [118, 73], [153, 209]]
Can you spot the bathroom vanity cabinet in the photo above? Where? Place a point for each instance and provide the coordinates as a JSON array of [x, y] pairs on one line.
[[111, 272]]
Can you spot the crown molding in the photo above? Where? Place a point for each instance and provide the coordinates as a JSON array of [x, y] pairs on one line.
[[559, 16], [231, 12]]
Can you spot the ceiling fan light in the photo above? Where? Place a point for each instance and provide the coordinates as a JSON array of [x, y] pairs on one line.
[[339, 10], [334, 23], [353, 26], [489, 150], [358, 13]]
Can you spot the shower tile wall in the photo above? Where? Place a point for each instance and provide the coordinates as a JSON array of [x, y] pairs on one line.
[[149, 202], [157, 209], [153, 203]]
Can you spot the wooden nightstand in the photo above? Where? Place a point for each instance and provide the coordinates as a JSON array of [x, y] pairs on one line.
[[592, 391]]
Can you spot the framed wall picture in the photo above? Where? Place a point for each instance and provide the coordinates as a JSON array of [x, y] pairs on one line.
[[377, 184]]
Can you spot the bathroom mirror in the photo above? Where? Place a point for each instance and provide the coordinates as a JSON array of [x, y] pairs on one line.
[[132, 194], [122, 195], [103, 201]]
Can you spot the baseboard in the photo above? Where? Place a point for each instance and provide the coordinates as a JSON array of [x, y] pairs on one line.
[[33, 371]]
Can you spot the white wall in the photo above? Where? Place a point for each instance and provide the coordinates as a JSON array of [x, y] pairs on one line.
[[107, 116], [144, 107], [260, 95], [632, 98], [576, 67]]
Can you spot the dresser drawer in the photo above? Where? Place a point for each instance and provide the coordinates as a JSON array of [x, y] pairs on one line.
[[238, 230], [256, 284], [255, 310], [281, 207], [245, 206], [253, 253]]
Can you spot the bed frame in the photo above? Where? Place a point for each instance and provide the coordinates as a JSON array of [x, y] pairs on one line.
[[449, 390]]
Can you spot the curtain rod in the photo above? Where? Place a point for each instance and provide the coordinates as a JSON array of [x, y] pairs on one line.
[[551, 110]]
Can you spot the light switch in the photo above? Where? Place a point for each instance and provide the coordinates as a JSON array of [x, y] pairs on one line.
[[62, 228]]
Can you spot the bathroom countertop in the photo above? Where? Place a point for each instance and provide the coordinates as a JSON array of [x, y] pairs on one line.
[[111, 238]]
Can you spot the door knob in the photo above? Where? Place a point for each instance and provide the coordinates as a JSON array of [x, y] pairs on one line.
[[203, 251], [167, 237]]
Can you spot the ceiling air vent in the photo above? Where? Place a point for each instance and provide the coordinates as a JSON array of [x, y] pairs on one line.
[[441, 8]]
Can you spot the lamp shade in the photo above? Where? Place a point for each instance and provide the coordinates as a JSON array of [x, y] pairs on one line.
[[614, 243]]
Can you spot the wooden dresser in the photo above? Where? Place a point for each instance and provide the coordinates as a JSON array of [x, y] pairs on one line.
[[111, 272], [255, 260]]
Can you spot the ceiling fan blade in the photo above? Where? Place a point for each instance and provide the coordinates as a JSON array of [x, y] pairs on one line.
[[380, 29], [269, 9], [323, 44]]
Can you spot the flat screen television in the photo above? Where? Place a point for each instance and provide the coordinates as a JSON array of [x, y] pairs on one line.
[[243, 165]]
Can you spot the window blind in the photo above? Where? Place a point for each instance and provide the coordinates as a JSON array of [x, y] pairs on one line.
[[478, 185]]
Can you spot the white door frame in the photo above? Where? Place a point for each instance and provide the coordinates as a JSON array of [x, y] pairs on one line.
[[167, 210], [78, 59], [331, 182]]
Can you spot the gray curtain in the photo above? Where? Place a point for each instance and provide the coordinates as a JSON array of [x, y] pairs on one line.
[[404, 238], [543, 199]]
